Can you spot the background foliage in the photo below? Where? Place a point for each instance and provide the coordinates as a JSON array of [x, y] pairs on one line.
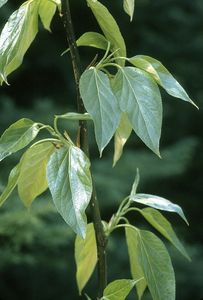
[[37, 246]]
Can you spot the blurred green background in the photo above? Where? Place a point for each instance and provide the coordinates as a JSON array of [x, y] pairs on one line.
[[37, 247]]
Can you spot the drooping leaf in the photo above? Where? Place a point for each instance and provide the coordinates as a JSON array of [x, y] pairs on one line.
[[161, 75], [16, 37], [118, 289], [33, 180], [110, 29], [131, 239], [70, 183], [155, 264], [139, 97], [156, 219], [17, 136], [12, 182], [128, 6], [75, 116], [159, 203], [2, 2], [135, 184], [47, 10], [101, 104], [121, 135], [85, 257]]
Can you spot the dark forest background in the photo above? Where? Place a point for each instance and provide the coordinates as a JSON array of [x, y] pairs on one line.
[[37, 247]]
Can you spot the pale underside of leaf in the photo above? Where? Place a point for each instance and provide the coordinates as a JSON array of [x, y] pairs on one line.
[[140, 99], [128, 6], [118, 289], [69, 181]]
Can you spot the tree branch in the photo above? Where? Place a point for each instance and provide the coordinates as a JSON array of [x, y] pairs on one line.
[[83, 142]]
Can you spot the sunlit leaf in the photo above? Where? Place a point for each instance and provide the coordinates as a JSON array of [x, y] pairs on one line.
[[161, 75], [110, 29], [12, 182], [75, 116], [159, 203], [156, 219], [70, 183], [155, 264], [121, 135], [139, 97], [101, 104], [17, 136], [131, 239], [93, 39], [118, 289], [33, 180], [128, 6], [47, 10], [2, 2], [16, 37], [85, 256]]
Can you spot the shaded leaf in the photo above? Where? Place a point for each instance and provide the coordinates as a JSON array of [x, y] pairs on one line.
[[46, 12], [101, 104], [135, 184], [93, 39], [70, 183], [118, 289], [17, 136], [75, 116], [33, 180], [88, 298], [85, 257], [128, 6], [159, 203], [136, 271], [161, 75], [12, 181], [156, 219], [121, 135], [110, 29], [140, 99], [16, 37]]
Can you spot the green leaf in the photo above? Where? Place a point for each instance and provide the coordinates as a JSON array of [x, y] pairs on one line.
[[161, 75], [12, 181], [17, 136], [118, 289], [155, 264], [128, 6], [85, 257], [75, 116], [88, 298], [93, 39], [158, 203], [47, 10], [156, 219], [110, 29], [135, 184], [16, 37], [70, 183], [136, 271], [139, 97], [101, 104], [2, 2], [33, 180], [121, 135]]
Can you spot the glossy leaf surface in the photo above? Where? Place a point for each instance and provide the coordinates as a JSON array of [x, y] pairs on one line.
[[118, 289], [17, 136], [16, 37], [85, 256], [93, 39], [121, 136], [12, 182], [101, 104], [155, 264], [140, 99], [161, 75], [110, 29], [156, 219], [33, 179], [70, 184], [159, 203], [46, 12]]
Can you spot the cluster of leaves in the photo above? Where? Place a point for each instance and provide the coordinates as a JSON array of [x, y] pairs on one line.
[[117, 104]]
